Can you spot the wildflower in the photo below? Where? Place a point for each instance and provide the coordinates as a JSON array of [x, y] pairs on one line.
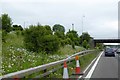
[[12, 64], [9, 66]]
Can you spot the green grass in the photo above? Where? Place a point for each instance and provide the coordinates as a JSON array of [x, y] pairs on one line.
[[15, 57]]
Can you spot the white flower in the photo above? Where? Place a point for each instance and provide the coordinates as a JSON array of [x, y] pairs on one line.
[[14, 60], [29, 60], [9, 66]]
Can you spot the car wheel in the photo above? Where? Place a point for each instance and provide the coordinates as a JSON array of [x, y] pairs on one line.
[[113, 55]]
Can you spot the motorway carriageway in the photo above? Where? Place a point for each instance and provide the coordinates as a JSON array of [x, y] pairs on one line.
[[103, 68]]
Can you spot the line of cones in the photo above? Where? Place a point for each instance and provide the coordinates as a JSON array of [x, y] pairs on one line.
[[77, 69]]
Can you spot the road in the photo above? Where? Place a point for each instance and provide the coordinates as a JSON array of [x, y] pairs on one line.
[[106, 67]]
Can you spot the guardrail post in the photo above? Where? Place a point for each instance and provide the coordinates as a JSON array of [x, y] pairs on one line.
[[45, 70]]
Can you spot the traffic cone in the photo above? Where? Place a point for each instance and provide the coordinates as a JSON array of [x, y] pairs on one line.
[[65, 71], [77, 70]]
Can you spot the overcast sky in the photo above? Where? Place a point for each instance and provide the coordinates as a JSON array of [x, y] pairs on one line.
[[100, 21]]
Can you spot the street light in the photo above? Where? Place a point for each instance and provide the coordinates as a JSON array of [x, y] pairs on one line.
[[25, 23], [72, 26], [82, 26], [82, 22]]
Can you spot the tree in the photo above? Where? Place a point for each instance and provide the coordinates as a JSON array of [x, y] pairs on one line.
[[48, 28], [60, 34], [88, 46], [73, 36], [17, 27], [85, 36], [73, 45], [99, 45], [4, 33], [51, 43], [0, 22], [58, 27], [84, 44], [6, 23], [38, 39]]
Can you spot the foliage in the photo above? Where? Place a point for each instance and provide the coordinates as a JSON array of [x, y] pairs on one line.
[[88, 46], [85, 36], [4, 33], [73, 36], [99, 45], [60, 34], [58, 27], [48, 28], [73, 45], [0, 23], [68, 41], [38, 39], [85, 40], [17, 27], [15, 57], [6, 22], [51, 43], [84, 44]]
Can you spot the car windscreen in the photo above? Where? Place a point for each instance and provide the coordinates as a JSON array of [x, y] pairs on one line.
[[109, 50]]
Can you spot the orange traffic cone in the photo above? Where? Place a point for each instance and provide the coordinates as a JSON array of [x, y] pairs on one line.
[[65, 71], [77, 70]]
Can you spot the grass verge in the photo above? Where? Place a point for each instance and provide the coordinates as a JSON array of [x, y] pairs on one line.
[[15, 57]]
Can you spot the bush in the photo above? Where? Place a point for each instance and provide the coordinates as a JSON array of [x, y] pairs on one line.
[[84, 44], [37, 39], [73, 45], [51, 43], [4, 33]]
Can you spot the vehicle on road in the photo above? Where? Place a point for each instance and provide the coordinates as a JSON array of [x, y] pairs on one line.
[[109, 52], [118, 51]]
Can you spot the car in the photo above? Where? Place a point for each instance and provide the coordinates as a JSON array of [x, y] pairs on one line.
[[109, 52], [118, 51]]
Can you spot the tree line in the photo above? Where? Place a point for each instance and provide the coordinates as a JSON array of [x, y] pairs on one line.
[[45, 38]]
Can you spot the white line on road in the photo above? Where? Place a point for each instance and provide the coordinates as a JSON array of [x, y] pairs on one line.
[[87, 68], [93, 67]]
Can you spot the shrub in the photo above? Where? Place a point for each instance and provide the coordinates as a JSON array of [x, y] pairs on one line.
[[84, 44], [4, 33], [37, 39]]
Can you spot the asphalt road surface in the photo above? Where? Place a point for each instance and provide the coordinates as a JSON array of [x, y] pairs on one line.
[[103, 68], [107, 67]]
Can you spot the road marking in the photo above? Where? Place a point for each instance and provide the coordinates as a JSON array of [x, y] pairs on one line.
[[87, 68], [93, 67]]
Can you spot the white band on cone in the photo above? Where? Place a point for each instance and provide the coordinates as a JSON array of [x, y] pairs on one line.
[[77, 63], [65, 74]]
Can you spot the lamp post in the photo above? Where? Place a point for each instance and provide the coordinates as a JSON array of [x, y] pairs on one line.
[[82, 27], [25, 22], [82, 23], [72, 26]]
